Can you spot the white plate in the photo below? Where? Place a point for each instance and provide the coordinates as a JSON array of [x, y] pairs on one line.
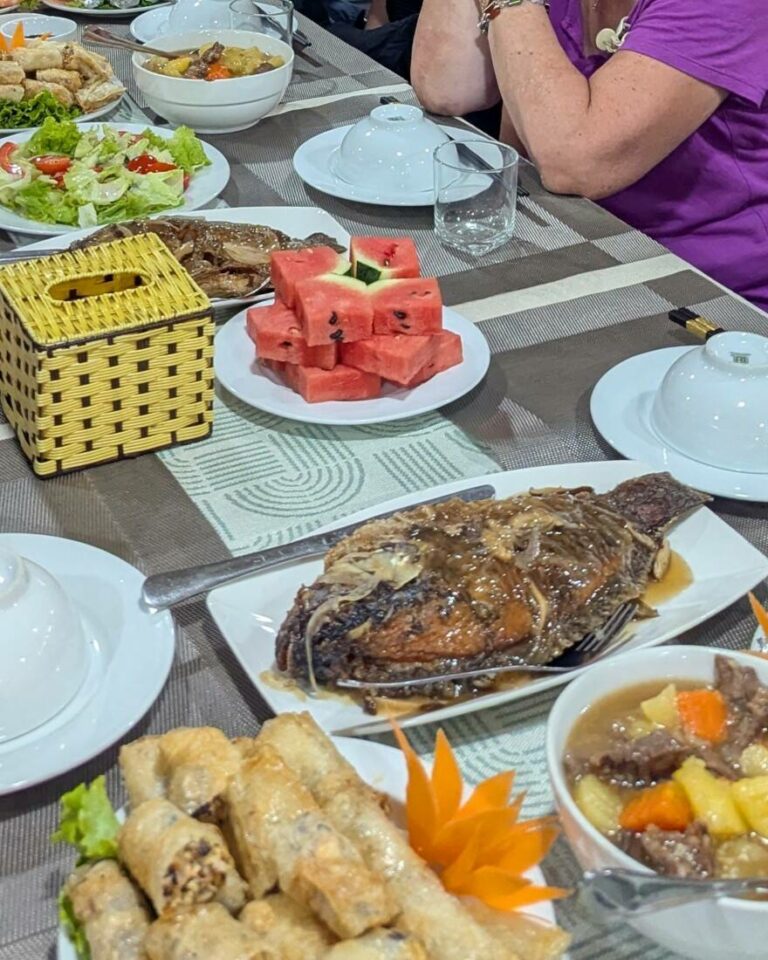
[[621, 407], [384, 769], [154, 23], [297, 222], [85, 118], [236, 367], [312, 162], [106, 12], [724, 565], [206, 184], [131, 656]]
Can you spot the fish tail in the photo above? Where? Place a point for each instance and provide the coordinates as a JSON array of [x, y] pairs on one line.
[[654, 501]]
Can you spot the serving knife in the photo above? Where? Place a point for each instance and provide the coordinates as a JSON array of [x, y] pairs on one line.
[[163, 590]]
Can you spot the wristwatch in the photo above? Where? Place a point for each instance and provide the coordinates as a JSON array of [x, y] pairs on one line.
[[493, 8]]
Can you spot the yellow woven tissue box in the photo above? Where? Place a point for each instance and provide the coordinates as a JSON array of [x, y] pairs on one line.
[[105, 353]]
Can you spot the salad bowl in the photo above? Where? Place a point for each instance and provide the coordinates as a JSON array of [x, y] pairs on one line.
[[143, 171]]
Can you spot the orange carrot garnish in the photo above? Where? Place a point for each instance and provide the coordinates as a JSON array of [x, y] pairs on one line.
[[761, 614], [480, 848], [703, 714], [664, 806], [18, 36]]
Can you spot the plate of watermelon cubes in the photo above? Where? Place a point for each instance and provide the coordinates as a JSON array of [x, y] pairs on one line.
[[350, 340]]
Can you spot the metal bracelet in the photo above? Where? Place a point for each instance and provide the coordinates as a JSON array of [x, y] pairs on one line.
[[493, 8]]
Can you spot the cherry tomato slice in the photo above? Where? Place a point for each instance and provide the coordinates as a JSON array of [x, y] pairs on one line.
[[6, 152], [52, 164], [146, 163]]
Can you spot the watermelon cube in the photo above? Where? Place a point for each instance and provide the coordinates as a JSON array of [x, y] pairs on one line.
[[291, 376], [447, 351], [289, 267], [382, 258], [412, 307], [341, 383], [334, 309], [276, 331], [276, 366], [397, 358]]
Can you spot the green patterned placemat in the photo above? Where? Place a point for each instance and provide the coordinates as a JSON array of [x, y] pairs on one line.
[[261, 480]]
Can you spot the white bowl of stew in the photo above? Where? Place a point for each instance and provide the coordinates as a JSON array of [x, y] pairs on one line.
[[215, 105], [597, 716]]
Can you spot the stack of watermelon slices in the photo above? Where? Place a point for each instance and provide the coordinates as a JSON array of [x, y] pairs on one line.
[[338, 329]]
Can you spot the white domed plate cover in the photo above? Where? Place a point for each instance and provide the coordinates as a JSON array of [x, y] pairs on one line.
[[130, 656]]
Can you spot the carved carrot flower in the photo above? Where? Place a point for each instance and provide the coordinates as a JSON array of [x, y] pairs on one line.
[[479, 846]]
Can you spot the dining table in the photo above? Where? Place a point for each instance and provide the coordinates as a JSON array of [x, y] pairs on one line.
[[574, 292]]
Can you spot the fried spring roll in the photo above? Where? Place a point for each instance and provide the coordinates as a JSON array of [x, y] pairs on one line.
[[279, 829], [311, 755], [70, 79], [525, 935], [206, 932], [11, 72], [33, 87], [177, 860], [198, 763], [110, 910], [440, 921], [379, 945], [31, 58], [140, 769], [12, 91], [287, 928]]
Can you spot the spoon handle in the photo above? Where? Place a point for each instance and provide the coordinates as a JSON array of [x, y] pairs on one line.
[[629, 893]]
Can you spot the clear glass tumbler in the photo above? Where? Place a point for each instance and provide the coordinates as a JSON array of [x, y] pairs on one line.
[[475, 194], [272, 17]]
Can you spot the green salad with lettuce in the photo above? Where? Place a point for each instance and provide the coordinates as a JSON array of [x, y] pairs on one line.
[[65, 174], [88, 822]]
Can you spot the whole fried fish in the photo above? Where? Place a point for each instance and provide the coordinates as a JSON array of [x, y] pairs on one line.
[[462, 586]]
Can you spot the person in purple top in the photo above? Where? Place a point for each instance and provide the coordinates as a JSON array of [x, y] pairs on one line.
[[663, 119]]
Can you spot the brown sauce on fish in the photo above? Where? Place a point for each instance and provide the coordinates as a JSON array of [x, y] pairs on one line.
[[677, 578]]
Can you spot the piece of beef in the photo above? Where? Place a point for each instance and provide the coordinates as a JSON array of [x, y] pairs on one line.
[[636, 763], [688, 854], [747, 701]]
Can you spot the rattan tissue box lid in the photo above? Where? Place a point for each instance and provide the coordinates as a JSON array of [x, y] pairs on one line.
[[100, 291]]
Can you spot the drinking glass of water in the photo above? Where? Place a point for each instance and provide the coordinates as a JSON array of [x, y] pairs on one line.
[[475, 194], [273, 17]]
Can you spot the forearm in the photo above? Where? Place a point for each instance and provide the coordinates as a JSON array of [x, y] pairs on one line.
[[546, 97], [451, 70]]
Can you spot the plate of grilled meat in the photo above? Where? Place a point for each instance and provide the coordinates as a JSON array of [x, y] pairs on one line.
[[378, 626]]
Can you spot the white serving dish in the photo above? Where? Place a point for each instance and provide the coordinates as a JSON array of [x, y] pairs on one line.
[[109, 13], [130, 652], [726, 929], [205, 186], [249, 613], [392, 147], [35, 24], [712, 404], [297, 222], [383, 768], [621, 404], [43, 652], [217, 106], [237, 369]]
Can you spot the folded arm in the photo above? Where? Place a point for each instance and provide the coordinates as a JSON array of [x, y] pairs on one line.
[[591, 137]]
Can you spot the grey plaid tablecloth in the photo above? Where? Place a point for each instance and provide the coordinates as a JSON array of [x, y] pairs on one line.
[[575, 292]]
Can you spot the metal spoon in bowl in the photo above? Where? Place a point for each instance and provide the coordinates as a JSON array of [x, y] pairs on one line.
[[613, 893]]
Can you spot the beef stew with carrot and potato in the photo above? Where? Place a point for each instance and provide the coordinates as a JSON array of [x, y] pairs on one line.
[[676, 775]]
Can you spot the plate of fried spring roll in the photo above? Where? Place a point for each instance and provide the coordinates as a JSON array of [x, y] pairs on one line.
[[280, 847]]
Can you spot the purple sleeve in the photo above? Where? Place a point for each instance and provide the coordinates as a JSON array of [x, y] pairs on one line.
[[724, 43]]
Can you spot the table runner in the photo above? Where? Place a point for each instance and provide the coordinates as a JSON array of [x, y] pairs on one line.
[[573, 293]]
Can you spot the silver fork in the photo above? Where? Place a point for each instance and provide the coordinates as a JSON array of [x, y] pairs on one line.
[[592, 647]]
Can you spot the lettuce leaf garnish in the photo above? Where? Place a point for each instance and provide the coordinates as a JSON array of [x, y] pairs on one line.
[[88, 822]]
